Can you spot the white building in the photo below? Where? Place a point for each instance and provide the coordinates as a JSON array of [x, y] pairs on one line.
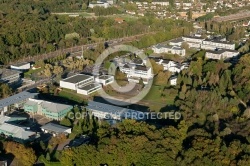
[[215, 44], [221, 54], [104, 79], [76, 81], [193, 39], [88, 89], [176, 42], [159, 48], [172, 66], [21, 66], [160, 3], [99, 4], [173, 80]]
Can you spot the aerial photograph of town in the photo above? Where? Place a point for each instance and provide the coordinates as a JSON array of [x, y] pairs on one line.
[[124, 83]]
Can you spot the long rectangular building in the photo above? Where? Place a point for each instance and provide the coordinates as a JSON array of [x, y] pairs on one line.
[[107, 111]]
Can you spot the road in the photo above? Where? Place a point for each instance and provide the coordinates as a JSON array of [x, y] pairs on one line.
[[77, 49]]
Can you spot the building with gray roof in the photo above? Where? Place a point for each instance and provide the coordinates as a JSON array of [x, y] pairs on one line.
[[55, 129], [16, 100], [51, 110], [107, 111], [9, 76], [17, 133]]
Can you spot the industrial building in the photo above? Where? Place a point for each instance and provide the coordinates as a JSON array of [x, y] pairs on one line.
[[107, 111], [10, 77], [15, 132], [76, 81], [21, 66], [55, 129], [55, 111], [16, 101], [86, 84]]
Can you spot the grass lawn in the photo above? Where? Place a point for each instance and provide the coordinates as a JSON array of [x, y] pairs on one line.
[[156, 101], [29, 73], [72, 95]]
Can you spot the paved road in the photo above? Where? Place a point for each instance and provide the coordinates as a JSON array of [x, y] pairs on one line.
[[77, 49]]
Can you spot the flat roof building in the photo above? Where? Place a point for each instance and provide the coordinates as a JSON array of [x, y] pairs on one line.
[[105, 79], [55, 129], [56, 111], [107, 111], [9, 76], [16, 100], [21, 66], [17, 133], [76, 81]]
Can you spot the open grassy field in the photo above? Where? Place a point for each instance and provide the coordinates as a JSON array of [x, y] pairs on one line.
[[72, 95]]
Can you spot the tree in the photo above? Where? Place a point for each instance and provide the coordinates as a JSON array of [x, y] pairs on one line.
[[23, 154]]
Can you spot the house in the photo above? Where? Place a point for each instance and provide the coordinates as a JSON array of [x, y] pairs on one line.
[[221, 54], [55, 129], [172, 66], [107, 111], [11, 77], [16, 101], [76, 81], [104, 79], [173, 80], [15, 132], [21, 66], [55, 111]]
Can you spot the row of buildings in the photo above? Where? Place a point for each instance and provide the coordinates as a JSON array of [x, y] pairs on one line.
[[217, 48]]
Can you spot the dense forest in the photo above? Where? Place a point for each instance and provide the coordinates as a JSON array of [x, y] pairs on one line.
[[42, 32]]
